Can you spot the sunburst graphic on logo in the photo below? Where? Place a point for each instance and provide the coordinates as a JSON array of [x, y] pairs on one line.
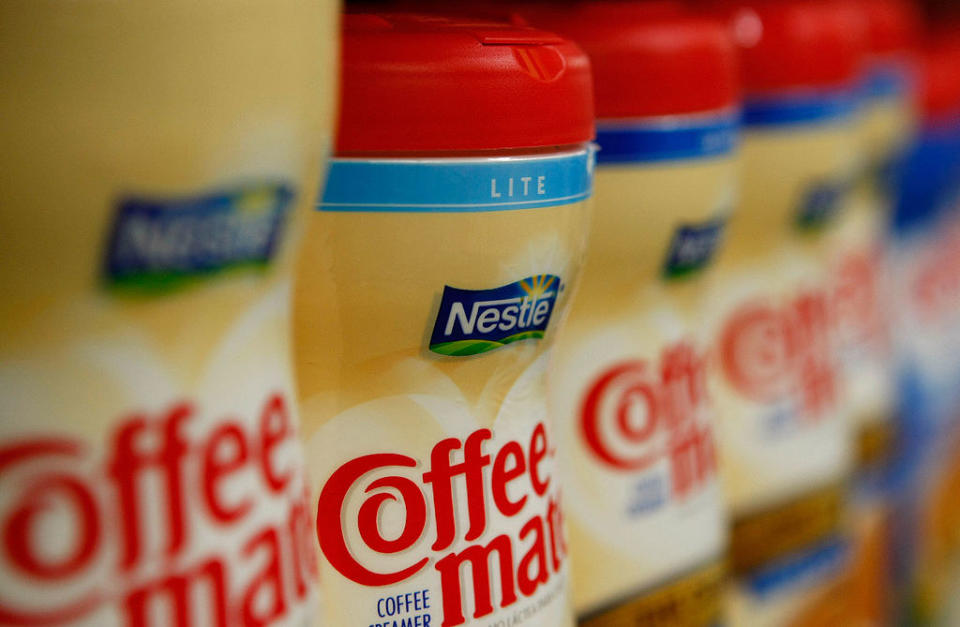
[[537, 286], [257, 200]]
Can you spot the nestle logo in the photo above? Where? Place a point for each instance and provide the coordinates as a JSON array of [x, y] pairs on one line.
[[693, 247], [159, 243], [475, 321], [821, 202]]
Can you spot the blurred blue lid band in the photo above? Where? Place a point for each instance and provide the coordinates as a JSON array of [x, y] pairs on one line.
[[668, 138], [801, 107]]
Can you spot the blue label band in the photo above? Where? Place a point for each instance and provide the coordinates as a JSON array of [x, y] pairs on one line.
[[886, 80], [458, 185], [668, 138], [158, 243], [814, 107], [816, 563], [929, 181], [476, 321]]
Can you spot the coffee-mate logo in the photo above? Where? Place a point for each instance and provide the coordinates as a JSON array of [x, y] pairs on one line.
[[174, 520], [161, 243], [693, 248], [636, 414], [769, 353], [856, 307], [477, 321], [934, 280], [491, 522]]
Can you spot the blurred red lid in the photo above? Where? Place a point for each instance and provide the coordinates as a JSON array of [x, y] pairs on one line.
[[795, 44], [893, 26], [939, 75], [428, 83], [649, 58]]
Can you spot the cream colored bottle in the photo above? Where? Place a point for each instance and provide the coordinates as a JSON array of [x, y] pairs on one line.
[[437, 269], [628, 385], [785, 446], [860, 287], [862, 321], [785, 451], [157, 158], [635, 421]]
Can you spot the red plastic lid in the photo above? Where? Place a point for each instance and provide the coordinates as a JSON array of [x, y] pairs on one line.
[[893, 26], [795, 44], [649, 58], [939, 77], [425, 83], [512, 10]]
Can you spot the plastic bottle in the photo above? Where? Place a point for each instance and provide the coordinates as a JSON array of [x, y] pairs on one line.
[[784, 446], [157, 156], [926, 297], [628, 388], [861, 292], [436, 272]]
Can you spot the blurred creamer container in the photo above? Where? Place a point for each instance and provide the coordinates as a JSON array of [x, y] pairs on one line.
[[629, 384], [925, 234], [856, 246], [784, 446], [861, 291], [157, 156], [436, 271]]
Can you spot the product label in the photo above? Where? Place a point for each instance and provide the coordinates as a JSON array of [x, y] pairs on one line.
[[483, 516], [476, 321], [770, 353], [634, 415], [457, 185], [777, 380], [693, 247], [785, 447], [821, 202], [159, 243], [640, 478], [429, 438], [646, 444], [172, 517]]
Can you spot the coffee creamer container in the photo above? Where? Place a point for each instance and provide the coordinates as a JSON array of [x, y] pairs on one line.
[[856, 253], [784, 444], [861, 294], [156, 157], [926, 275], [436, 271], [628, 386]]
